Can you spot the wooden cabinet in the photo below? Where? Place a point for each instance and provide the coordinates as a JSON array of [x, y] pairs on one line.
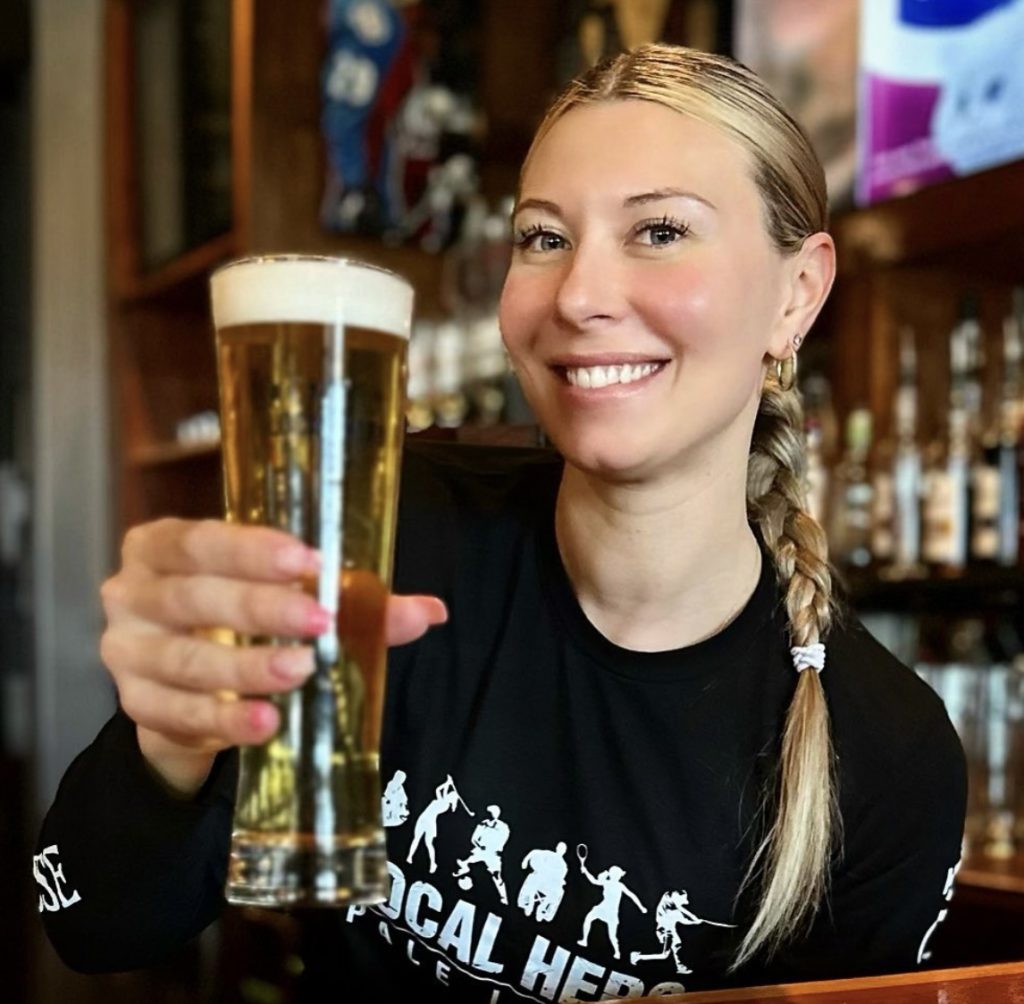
[[161, 343], [907, 261]]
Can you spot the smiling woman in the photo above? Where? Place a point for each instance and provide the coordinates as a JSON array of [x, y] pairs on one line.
[[634, 661], [695, 302]]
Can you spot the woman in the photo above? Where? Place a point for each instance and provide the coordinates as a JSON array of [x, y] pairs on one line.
[[634, 658]]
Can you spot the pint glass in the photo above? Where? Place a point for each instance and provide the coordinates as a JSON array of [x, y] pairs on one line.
[[311, 369]]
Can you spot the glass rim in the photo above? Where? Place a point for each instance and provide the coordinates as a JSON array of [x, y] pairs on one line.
[[296, 257]]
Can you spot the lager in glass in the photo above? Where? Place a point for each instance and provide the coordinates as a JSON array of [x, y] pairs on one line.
[[311, 368]]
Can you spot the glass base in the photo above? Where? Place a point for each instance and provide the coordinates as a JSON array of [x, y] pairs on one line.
[[295, 872]]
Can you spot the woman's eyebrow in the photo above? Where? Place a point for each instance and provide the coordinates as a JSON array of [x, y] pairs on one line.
[[641, 199], [543, 204], [667, 193]]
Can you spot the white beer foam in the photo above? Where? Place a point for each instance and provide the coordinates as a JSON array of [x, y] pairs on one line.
[[311, 291]]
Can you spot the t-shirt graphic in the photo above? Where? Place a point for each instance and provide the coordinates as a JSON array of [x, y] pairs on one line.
[[671, 914], [395, 802], [446, 799], [612, 891], [484, 914], [541, 892], [489, 839]]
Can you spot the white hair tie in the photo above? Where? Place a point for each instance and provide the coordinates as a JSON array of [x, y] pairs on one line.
[[808, 657]]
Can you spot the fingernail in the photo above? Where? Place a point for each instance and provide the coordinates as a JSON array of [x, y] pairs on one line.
[[261, 715], [298, 560], [292, 665], [309, 618], [318, 620]]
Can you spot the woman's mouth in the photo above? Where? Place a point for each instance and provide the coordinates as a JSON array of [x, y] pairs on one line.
[[596, 377]]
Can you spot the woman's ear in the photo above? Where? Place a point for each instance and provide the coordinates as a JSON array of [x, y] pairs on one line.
[[808, 276]]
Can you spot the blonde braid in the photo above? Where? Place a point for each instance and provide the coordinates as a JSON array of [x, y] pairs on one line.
[[793, 859]]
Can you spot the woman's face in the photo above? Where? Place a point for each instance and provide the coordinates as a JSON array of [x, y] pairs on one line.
[[643, 292]]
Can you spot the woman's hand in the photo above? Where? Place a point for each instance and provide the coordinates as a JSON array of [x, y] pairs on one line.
[[180, 579]]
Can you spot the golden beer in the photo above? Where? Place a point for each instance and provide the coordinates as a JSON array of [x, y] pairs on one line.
[[311, 368]]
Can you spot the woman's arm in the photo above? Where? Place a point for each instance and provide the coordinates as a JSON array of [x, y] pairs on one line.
[[126, 871]]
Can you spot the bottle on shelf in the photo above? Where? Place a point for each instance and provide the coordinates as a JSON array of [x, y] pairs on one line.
[[947, 502], [1010, 448], [983, 445], [850, 508], [450, 402], [419, 409], [906, 468], [819, 431], [486, 364], [883, 504]]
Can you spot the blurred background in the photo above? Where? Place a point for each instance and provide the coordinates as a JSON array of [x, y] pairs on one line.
[[142, 142]]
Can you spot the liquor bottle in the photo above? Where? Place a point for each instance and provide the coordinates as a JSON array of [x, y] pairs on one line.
[[419, 411], [450, 402], [850, 530], [819, 432], [883, 504], [982, 444], [486, 363], [1011, 435], [906, 468], [947, 481]]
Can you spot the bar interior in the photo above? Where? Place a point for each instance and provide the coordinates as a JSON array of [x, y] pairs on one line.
[[145, 142]]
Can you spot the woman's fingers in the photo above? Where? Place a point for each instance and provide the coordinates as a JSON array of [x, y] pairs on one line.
[[214, 547], [193, 663], [201, 601], [410, 617], [190, 718], [186, 602]]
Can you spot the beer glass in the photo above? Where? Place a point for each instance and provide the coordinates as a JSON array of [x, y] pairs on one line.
[[311, 370]]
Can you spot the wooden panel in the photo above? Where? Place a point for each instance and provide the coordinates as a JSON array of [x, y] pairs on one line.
[[979, 985], [973, 224], [122, 222], [520, 40], [863, 328], [169, 371]]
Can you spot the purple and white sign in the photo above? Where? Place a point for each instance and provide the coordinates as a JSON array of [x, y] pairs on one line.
[[941, 91]]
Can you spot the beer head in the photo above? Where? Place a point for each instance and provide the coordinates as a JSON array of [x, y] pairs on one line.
[[312, 290]]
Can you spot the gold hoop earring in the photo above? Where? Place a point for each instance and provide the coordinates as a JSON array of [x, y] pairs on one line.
[[785, 371]]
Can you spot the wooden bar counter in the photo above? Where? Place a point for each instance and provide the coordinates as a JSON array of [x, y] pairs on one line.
[[1000, 984]]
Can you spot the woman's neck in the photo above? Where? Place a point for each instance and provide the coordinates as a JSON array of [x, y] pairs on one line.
[[657, 566]]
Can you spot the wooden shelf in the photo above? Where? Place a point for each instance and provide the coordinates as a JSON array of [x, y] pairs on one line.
[[977, 588], [192, 265], [974, 224], [164, 454], [988, 874]]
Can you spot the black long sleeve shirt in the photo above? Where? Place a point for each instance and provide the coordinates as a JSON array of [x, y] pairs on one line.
[[620, 793]]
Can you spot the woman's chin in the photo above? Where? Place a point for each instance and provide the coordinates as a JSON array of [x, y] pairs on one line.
[[612, 458]]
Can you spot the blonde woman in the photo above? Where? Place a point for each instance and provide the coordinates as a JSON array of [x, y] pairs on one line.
[[641, 655]]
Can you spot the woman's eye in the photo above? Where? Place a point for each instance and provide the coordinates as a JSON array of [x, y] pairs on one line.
[[538, 239], [662, 233]]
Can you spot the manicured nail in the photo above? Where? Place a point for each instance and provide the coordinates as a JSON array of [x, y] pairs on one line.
[[261, 716], [298, 560], [318, 620], [292, 665]]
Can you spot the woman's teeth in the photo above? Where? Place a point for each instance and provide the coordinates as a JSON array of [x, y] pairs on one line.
[[605, 376]]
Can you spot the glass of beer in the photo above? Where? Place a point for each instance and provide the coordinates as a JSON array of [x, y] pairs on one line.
[[311, 368]]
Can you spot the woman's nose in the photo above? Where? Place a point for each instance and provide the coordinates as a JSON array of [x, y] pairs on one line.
[[591, 287]]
